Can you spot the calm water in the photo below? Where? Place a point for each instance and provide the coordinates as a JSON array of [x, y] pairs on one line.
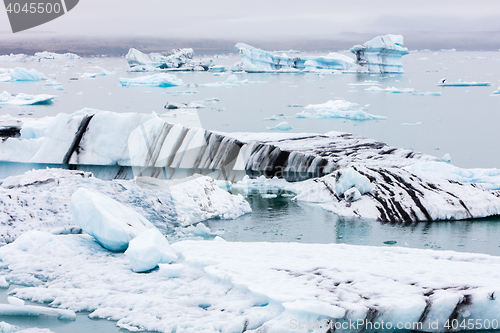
[[462, 122]]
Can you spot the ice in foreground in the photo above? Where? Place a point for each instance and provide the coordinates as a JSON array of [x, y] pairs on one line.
[[381, 54], [258, 287], [24, 99], [41, 200]]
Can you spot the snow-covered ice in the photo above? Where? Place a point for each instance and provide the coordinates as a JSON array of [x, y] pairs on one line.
[[337, 109], [7, 328], [256, 286], [382, 54], [24, 99], [156, 80], [39, 56], [149, 249], [40, 200]]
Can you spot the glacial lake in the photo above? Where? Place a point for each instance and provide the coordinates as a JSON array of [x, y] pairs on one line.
[[462, 121]]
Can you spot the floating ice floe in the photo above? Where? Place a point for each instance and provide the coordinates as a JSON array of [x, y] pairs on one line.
[[178, 59], [283, 126], [380, 55], [156, 80], [255, 60], [496, 92], [7, 328], [460, 83], [103, 72], [231, 81], [418, 123], [190, 105], [40, 199], [25, 99], [337, 109], [21, 74], [150, 145], [261, 287], [39, 56], [427, 93], [396, 90]]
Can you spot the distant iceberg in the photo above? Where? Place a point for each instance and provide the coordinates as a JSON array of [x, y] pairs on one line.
[[21, 74], [255, 60], [178, 59], [380, 55], [156, 80], [337, 109], [39, 56], [24, 99]]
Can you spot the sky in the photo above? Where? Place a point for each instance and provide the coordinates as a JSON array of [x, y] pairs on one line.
[[263, 20]]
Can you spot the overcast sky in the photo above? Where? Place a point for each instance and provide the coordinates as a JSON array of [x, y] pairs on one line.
[[264, 19]]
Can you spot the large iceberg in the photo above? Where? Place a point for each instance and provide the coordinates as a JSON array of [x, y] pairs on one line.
[[259, 287], [380, 55], [178, 59], [150, 146], [40, 199], [254, 60]]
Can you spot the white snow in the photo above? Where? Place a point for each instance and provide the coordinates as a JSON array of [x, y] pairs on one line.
[[24, 99], [260, 286], [156, 80], [149, 249], [21, 74], [337, 109], [111, 223]]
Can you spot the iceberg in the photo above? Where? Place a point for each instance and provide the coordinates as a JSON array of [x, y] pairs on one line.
[[255, 60], [25, 99], [149, 249], [261, 286], [21, 74], [148, 145], [156, 80], [39, 56], [111, 223], [380, 55], [283, 126], [40, 200], [336, 109], [177, 59]]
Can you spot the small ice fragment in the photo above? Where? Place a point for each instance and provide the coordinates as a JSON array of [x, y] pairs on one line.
[[219, 239], [15, 301], [202, 230], [268, 195], [446, 158], [352, 194], [3, 282], [390, 242], [171, 270]]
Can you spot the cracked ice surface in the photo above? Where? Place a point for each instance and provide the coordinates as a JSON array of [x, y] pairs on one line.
[[260, 287]]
